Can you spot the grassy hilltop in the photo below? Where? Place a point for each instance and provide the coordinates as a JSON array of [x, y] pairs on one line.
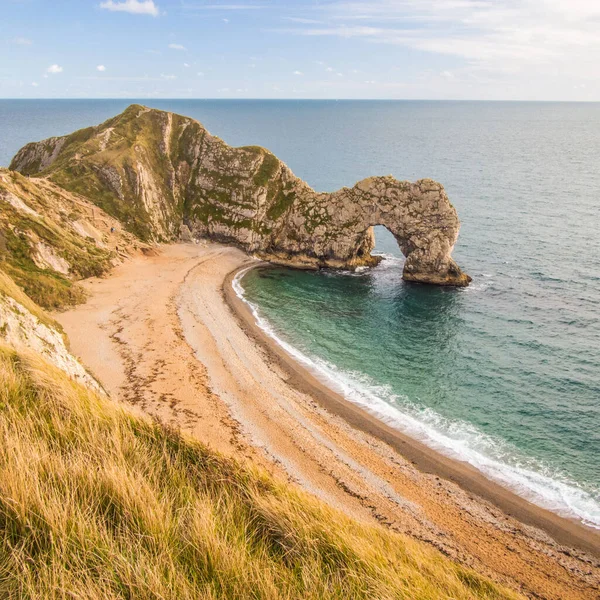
[[153, 170]]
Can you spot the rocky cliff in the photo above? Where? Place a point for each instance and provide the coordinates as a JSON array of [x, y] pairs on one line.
[[164, 176]]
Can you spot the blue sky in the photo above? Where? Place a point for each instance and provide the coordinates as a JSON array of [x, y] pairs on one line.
[[440, 49]]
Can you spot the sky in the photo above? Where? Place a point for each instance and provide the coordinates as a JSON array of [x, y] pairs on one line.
[[380, 49]]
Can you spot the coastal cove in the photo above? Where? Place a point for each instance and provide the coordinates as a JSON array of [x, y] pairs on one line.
[[238, 397], [566, 531], [427, 361], [300, 300]]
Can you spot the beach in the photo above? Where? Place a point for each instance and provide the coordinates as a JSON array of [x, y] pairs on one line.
[[167, 334]]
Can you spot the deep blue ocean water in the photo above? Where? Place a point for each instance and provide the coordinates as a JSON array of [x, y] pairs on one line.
[[504, 374]]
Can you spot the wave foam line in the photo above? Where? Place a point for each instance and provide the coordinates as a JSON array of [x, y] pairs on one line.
[[460, 440]]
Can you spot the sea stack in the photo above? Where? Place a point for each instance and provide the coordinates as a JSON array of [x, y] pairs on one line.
[[164, 176]]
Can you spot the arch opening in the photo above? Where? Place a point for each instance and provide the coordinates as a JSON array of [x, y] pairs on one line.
[[424, 258], [386, 243]]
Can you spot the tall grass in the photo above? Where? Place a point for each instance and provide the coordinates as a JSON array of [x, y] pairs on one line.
[[96, 503]]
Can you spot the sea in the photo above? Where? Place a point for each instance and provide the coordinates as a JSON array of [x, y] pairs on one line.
[[504, 374]]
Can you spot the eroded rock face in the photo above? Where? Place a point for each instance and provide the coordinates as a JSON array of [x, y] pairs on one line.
[[22, 329], [157, 172]]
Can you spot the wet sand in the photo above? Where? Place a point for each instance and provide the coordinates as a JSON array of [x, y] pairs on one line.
[[168, 335]]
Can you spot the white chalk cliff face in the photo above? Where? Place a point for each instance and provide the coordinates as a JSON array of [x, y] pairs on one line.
[[163, 175], [21, 329]]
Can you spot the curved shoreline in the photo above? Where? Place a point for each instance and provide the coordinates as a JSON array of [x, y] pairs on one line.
[[161, 337], [565, 531]]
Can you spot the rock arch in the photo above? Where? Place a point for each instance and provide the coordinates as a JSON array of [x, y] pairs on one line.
[[419, 215]]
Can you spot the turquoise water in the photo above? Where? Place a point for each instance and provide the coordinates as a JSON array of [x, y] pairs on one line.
[[504, 374]]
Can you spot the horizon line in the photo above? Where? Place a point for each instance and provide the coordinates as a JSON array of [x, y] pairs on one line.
[[133, 98]]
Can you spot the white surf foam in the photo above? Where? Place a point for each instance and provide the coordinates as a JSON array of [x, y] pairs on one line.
[[495, 458]]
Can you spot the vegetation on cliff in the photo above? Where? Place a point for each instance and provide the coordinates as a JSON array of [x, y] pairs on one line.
[[151, 169], [9, 289], [50, 238]]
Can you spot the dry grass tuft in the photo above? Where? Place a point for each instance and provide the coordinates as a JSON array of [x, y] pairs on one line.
[[96, 503]]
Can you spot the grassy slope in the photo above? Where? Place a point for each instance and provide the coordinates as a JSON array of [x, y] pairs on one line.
[[49, 288], [133, 139], [19, 231], [98, 503]]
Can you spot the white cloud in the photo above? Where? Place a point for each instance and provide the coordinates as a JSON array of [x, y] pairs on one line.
[[225, 20], [339, 31], [22, 41], [222, 6], [176, 47], [298, 73], [54, 69], [34, 83], [329, 69], [493, 34], [302, 20], [134, 7], [101, 68], [186, 65], [200, 74], [168, 77]]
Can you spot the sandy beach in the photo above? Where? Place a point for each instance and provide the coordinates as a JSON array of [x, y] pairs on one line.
[[167, 335]]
